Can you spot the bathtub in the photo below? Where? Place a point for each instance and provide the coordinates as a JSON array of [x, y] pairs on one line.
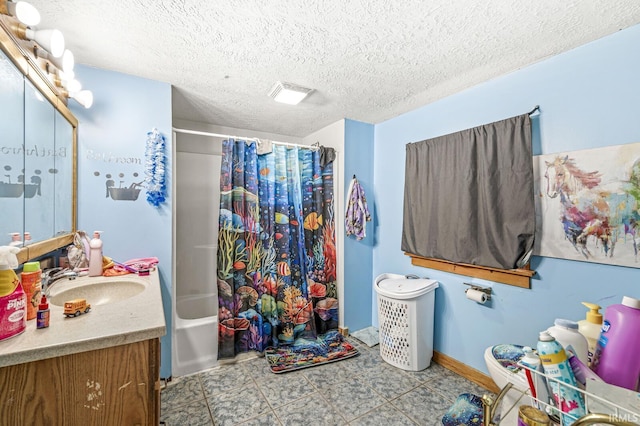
[[195, 334]]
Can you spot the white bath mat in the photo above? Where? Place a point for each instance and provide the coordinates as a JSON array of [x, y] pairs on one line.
[[368, 336]]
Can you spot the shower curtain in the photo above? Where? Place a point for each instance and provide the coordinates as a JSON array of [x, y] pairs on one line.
[[276, 247]]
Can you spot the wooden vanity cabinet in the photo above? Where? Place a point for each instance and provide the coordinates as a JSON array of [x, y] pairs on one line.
[[119, 385]]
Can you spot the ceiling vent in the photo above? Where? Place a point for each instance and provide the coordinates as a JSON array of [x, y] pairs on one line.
[[288, 93]]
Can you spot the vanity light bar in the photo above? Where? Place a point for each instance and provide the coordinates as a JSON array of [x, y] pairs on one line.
[[49, 44]]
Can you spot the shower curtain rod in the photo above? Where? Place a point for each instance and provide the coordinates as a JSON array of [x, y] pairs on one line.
[[219, 135]]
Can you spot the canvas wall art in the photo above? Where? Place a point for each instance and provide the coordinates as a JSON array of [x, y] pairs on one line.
[[587, 205]]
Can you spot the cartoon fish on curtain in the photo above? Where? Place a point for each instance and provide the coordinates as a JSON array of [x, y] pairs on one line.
[[276, 247]]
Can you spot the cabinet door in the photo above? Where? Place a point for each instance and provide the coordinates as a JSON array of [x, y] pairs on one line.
[[11, 150], [39, 164], [104, 387]]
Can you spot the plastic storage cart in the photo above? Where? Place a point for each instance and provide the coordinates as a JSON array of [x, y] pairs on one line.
[[405, 314]]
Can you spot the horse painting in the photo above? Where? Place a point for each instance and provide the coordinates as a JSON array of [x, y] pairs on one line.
[[588, 210]]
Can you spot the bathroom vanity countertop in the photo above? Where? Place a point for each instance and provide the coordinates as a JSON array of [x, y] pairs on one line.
[[137, 318]]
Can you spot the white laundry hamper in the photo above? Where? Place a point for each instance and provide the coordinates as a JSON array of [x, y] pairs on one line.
[[405, 315]]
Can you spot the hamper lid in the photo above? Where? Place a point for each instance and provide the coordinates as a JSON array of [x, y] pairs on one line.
[[401, 287]]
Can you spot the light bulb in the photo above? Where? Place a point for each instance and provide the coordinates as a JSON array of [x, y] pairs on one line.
[[72, 85], [50, 40], [66, 62], [26, 13], [22, 11], [83, 97], [67, 75]]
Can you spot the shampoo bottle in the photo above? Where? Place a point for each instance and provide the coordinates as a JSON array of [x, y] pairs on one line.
[[617, 359], [590, 329], [95, 255], [556, 366]]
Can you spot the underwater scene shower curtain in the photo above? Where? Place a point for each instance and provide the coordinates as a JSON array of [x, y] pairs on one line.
[[276, 248]]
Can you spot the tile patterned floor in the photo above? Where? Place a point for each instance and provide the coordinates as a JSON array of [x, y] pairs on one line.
[[360, 391]]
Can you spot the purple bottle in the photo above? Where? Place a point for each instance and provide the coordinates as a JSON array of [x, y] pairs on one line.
[[617, 357]]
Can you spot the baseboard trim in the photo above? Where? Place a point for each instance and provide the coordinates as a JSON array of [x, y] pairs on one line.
[[344, 331], [470, 373]]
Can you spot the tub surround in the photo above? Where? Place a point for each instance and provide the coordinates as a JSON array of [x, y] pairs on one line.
[[195, 338], [131, 320]]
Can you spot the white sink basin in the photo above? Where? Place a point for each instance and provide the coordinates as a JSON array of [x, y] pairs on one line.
[[97, 293]]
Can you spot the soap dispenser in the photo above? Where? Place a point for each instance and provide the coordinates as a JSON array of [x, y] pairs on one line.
[[95, 255], [590, 328]]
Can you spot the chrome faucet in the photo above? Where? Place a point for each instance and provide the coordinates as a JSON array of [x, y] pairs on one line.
[[609, 419], [51, 276]]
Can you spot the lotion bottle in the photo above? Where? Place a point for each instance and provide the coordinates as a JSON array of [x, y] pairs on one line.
[[590, 329], [95, 256]]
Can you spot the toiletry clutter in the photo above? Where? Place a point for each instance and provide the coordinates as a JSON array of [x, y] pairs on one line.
[[575, 361], [608, 346], [576, 353], [613, 342]]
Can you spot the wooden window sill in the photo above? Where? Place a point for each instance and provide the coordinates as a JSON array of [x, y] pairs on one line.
[[516, 277]]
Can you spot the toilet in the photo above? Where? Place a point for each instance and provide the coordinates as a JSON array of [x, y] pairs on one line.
[[502, 362]]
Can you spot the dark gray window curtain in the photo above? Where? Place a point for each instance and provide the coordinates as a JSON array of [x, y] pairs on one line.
[[468, 196]]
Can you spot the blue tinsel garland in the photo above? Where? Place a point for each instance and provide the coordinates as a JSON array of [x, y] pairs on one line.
[[155, 168]]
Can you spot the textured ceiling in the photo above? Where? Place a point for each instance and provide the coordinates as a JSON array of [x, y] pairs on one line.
[[367, 60]]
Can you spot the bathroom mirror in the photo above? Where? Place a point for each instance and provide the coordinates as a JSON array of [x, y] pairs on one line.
[[12, 158], [38, 138]]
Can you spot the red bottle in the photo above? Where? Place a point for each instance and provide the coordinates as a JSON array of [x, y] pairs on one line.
[[43, 313]]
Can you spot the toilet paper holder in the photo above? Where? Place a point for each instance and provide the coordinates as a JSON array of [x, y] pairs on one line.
[[486, 290]]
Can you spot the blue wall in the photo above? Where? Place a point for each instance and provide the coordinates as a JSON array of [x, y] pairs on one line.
[[589, 98], [111, 140], [358, 255]]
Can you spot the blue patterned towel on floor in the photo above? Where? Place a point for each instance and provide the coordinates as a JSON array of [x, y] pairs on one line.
[[466, 411]]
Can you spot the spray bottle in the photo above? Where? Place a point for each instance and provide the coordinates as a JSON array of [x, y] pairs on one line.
[[556, 366]]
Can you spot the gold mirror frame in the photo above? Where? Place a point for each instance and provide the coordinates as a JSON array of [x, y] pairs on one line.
[[19, 52]]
